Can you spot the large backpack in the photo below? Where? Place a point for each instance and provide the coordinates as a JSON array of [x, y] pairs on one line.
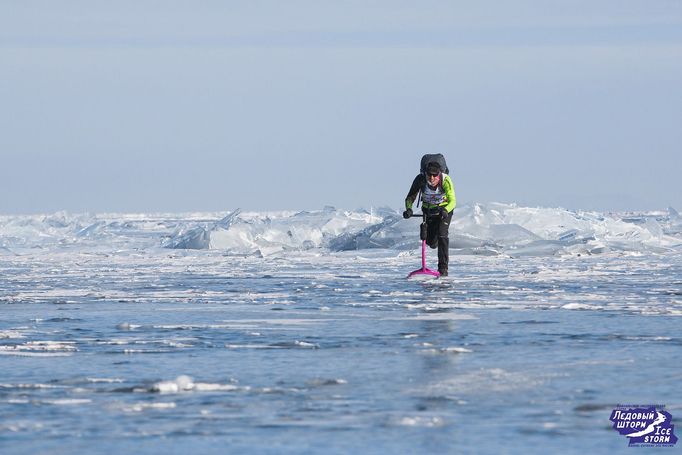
[[434, 158]]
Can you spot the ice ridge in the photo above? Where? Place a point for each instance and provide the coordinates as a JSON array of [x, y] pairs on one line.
[[483, 229]]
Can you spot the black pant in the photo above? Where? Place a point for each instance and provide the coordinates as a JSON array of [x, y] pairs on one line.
[[437, 236]]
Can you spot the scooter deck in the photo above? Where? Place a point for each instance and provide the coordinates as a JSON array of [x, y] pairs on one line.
[[424, 270]]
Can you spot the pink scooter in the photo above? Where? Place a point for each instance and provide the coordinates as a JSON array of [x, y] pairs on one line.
[[424, 270]]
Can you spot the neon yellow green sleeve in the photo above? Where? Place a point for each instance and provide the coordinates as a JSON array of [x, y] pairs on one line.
[[449, 189]]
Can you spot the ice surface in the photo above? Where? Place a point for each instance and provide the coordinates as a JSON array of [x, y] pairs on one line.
[[240, 332]]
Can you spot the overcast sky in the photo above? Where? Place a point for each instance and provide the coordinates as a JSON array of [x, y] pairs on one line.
[[148, 106]]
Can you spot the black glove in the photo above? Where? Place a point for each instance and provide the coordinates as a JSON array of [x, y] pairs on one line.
[[443, 212], [407, 213]]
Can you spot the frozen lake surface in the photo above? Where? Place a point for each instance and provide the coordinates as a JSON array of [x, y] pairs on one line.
[[116, 338]]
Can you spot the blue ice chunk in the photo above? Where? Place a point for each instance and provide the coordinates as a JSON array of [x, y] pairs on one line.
[[568, 235]]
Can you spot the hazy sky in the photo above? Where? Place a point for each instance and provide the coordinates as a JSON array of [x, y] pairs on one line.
[[264, 105]]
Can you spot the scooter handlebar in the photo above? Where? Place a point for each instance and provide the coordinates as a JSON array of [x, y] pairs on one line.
[[424, 215]]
